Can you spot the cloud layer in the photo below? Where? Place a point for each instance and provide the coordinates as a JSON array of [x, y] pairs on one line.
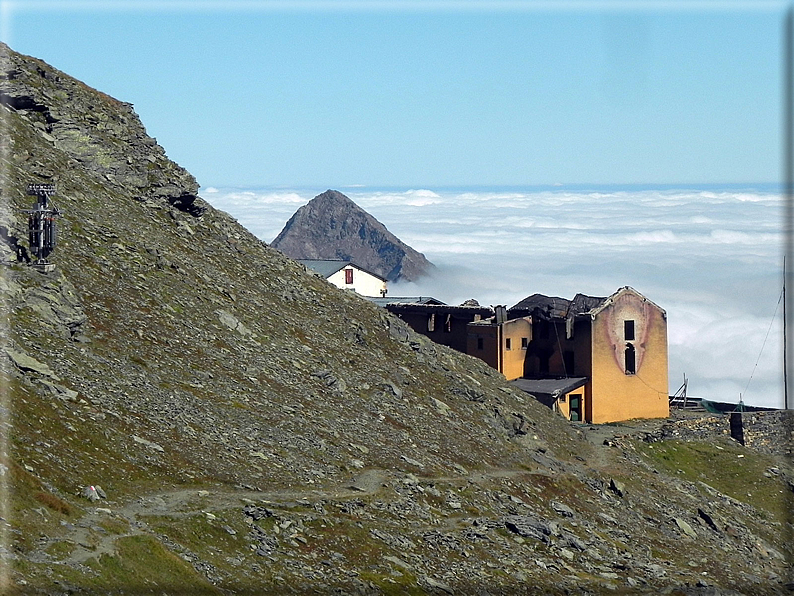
[[712, 260]]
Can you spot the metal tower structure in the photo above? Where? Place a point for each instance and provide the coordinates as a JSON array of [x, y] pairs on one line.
[[42, 233]]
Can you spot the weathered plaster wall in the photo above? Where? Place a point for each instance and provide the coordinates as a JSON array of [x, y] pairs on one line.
[[454, 334], [547, 347], [513, 359], [621, 396]]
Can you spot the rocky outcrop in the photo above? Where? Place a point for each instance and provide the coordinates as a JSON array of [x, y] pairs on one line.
[[101, 134], [331, 226]]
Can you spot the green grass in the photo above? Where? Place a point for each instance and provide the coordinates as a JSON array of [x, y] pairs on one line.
[[115, 525], [60, 549], [207, 538], [391, 585], [142, 565], [726, 467]]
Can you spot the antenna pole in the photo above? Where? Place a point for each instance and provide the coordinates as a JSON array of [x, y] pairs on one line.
[[785, 354], [788, 173]]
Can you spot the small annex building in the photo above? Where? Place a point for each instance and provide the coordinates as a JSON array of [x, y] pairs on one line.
[[348, 276], [592, 359]]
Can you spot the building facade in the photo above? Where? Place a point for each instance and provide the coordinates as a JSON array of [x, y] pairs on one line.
[[348, 276], [613, 349], [443, 323]]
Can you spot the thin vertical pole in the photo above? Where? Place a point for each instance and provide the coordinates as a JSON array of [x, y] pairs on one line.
[[785, 342], [788, 174], [788, 179]]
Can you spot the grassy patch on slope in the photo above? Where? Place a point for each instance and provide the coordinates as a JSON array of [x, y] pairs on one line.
[[141, 565], [725, 466]]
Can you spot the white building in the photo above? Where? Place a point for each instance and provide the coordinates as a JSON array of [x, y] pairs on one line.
[[348, 276]]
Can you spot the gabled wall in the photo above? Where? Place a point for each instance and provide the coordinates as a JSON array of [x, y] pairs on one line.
[[364, 283], [618, 394]]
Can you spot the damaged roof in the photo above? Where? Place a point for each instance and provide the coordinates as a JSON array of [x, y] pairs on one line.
[[383, 301], [430, 308], [582, 304], [554, 307]]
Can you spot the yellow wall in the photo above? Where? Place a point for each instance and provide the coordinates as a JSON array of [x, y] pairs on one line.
[[598, 347], [513, 359], [616, 395], [564, 407], [509, 362]]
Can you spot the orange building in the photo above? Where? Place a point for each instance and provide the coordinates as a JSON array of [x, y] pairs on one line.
[[501, 345], [592, 359]]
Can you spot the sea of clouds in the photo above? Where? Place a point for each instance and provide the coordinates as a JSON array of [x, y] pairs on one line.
[[712, 259]]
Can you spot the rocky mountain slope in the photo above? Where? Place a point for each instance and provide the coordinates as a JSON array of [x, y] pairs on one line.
[[331, 226], [187, 411]]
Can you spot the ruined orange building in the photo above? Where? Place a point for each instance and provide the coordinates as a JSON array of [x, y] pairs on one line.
[[592, 359]]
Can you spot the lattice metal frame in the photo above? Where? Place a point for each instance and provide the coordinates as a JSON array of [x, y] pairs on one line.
[[42, 231]]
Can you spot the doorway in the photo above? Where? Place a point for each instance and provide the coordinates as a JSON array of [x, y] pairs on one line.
[[575, 404]]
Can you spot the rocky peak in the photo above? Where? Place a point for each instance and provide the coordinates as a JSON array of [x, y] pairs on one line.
[[331, 226], [102, 134]]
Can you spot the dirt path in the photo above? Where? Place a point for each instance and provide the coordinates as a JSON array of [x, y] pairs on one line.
[[91, 540], [180, 503]]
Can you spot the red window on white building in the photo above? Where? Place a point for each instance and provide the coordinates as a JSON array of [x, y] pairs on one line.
[[348, 276]]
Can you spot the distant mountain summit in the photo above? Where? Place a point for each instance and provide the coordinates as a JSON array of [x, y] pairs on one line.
[[331, 226]]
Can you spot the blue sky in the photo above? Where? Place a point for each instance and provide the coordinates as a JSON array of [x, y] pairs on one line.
[[335, 94]]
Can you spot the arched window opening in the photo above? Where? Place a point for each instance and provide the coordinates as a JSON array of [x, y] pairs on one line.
[[631, 367]]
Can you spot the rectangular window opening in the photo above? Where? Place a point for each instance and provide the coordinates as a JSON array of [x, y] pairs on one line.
[[508, 344], [628, 330], [479, 343], [348, 276], [524, 343]]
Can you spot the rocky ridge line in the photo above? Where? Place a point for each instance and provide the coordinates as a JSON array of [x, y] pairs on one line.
[[331, 226]]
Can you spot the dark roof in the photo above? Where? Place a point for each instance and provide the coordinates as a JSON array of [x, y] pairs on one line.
[[397, 307], [582, 304], [548, 390], [327, 267], [556, 307], [404, 300]]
